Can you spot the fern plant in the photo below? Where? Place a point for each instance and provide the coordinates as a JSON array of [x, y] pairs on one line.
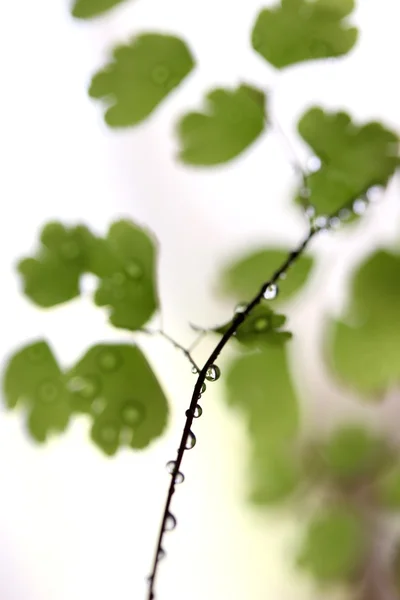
[[351, 478]]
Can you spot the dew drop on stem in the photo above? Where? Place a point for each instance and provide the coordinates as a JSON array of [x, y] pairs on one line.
[[198, 411], [179, 477], [170, 522], [213, 373], [271, 292], [161, 554], [359, 206], [191, 441]]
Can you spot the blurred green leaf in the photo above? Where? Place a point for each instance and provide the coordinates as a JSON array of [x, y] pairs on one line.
[[86, 9], [233, 121], [53, 276], [140, 76], [117, 387], [124, 262], [298, 30], [353, 451], [388, 489], [260, 386], [261, 327], [353, 158], [128, 276], [275, 473], [364, 348], [334, 545], [243, 277], [32, 378]]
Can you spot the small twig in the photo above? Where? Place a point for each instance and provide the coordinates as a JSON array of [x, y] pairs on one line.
[[185, 351]]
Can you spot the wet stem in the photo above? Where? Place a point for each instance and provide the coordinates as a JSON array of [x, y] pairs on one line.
[[238, 319]]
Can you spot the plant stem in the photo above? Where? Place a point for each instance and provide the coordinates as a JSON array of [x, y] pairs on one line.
[[185, 351]]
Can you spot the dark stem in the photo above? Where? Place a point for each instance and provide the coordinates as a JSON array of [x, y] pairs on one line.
[[236, 322]]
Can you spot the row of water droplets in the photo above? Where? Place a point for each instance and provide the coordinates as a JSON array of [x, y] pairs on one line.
[[213, 373], [358, 206]]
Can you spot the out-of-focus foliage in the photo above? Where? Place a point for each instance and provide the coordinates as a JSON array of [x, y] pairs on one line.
[[389, 489], [363, 348], [297, 30], [113, 384], [232, 122], [86, 9], [124, 262], [116, 386], [139, 76], [353, 158], [261, 327], [334, 544], [243, 277]]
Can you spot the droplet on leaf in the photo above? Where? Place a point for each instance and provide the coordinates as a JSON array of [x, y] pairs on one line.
[[134, 270], [87, 387], [271, 292], [108, 360], [261, 324], [213, 373], [359, 207], [48, 392], [133, 413]]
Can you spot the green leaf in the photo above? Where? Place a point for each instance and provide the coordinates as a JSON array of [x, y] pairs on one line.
[[125, 263], [388, 489], [353, 451], [275, 473], [298, 30], [32, 378], [86, 9], [232, 122], [364, 348], [130, 290], [140, 76], [261, 327], [353, 158], [53, 276], [334, 545], [260, 386], [117, 387], [243, 277]]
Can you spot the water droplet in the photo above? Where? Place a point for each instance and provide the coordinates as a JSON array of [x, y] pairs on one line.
[[334, 222], [98, 405], [170, 522], [179, 478], [87, 387], [283, 275], [313, 164], [240, 308], [320, 222], [133, 413], [198, 411], [134, 270], [160, 74], [310, 211], [375, 193], [191, 441], [161, 554], [126, 436], [261, 324], [171, 466], [344, 214], [48, 392], [118, 279], [108, 433], [70, 250], [359, 206], [305, 193], [108, 360], [271, 292], [213, 373], [194, 371], [203, 388]]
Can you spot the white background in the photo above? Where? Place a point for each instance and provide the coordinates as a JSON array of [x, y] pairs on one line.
[[74, 524]]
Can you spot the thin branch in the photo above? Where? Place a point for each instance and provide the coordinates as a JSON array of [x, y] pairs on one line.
[[187, 435], [185, 351]]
